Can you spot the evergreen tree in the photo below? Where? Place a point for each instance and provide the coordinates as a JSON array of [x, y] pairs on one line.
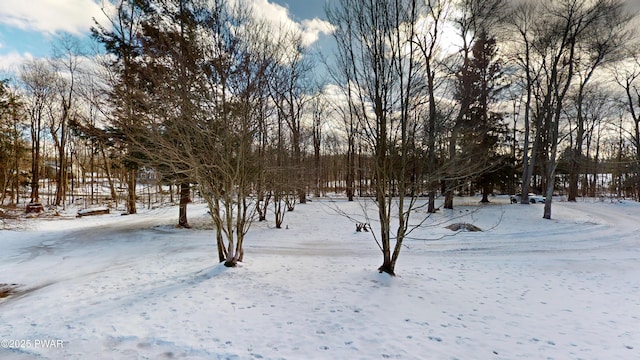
[[482, 131]]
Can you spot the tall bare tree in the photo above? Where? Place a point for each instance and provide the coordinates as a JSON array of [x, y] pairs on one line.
[[522, 18], [289, 88], [428, 39], [570, 24], [376, 54], [37, 79], [561, 46], [603, 44], [65, 62], [236, 69], [319, 113], [12, 145], [628, 77]]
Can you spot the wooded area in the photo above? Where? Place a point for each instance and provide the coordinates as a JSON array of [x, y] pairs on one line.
[[419, 99]]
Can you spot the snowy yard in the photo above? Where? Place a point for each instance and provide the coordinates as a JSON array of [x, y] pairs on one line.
[[135, 287]]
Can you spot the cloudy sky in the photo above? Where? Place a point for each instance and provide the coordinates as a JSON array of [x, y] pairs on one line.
[[28, 27]]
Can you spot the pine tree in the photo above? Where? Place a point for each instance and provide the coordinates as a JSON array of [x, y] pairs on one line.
[[482, 131]]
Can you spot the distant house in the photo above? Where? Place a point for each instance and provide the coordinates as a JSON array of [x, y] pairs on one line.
[[147, 176]]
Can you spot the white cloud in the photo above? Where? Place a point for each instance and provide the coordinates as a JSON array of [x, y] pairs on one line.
[[312, 30], [76, 16], [11, 62], [270, 11], [280, 18], [51, 16]]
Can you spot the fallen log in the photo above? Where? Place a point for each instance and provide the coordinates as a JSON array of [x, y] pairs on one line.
[[94, 211]]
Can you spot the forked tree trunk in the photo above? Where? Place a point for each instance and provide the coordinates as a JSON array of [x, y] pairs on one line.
[[263, 205], [387, 267], [278, 210], [231, 259]]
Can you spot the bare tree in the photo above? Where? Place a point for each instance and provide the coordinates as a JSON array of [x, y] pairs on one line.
[[561, 42], [522, 17], [376, 54], [289, 87], [237, 68], [210, 135], [434, 18], [37, 79], [12, 145], [628, 77], [603, 44], [319, 113], [351, 134], [66, 63], [91, 127], [571, 23]]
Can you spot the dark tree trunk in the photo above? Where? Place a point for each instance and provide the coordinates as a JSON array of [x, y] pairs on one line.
[[387, 266], [486, 190], [351, 153], [448, 199], [61, 178], [262, 205], [35, 165], [131, 194], [432, 202], [184, 200]]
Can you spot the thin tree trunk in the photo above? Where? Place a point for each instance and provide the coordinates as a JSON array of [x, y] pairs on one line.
[[351, 168], [107, 169], [131, 191]]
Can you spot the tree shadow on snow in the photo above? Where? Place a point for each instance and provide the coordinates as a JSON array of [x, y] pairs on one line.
[[211, 272]]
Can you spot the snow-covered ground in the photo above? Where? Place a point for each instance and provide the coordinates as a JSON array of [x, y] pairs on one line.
[[135, 287]]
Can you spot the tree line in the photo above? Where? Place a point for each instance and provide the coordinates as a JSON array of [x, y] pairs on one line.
[[417, 99]]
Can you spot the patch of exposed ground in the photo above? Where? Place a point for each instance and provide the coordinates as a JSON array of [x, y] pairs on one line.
[[7, 290], [463, 227]]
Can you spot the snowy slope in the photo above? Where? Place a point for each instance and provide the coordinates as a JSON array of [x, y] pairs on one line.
[[135, 287]]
